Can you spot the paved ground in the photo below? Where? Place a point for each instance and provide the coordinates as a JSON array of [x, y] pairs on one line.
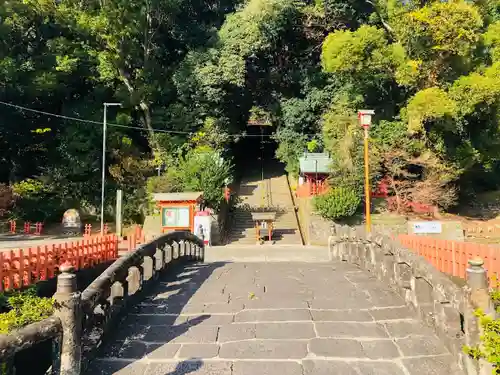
[[267, 253], [20, 241], [272, 319]]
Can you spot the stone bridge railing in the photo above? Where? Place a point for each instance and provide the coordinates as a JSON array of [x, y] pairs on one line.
[[81, 320], [440, 302]]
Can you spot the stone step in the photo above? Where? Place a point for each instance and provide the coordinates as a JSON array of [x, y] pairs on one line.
[[276, 225], [239, 229], [278, 232], [252, 241], [277, 190]]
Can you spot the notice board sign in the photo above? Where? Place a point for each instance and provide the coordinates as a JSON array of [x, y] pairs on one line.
[[175, 217], [427, 227]]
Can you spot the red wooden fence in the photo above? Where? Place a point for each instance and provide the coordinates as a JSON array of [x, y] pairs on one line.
[[311, 189], [135, 237], [451, 257], [25, 267], [477, 228]]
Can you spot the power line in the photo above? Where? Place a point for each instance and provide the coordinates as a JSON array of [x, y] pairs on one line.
[[88, 121], [155, 130]]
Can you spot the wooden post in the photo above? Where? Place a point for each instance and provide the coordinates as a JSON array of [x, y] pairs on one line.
[[68, 309], [119, 199], [270, 230]]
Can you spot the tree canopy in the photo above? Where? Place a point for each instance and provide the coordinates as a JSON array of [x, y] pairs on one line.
[[189, 75]]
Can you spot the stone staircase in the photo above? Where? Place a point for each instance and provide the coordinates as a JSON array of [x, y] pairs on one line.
[[272, 192]]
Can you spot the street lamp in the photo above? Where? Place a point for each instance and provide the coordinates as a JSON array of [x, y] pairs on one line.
[[106, 105], [365, 119]]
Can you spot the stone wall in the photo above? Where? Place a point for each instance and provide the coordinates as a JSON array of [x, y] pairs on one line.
[[434, 297], [314, 228], [389, 229]]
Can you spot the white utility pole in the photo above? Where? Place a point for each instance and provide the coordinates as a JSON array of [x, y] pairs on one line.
[[103, 179]]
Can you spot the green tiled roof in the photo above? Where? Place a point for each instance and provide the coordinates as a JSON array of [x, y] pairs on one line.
[[315, 163]]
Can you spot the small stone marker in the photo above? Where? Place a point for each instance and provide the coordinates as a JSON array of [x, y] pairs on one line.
[[71, 221]]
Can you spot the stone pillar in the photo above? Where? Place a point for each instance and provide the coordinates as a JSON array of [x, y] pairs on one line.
[[477, 281], [476, 275], [119, 199], [68, 309]]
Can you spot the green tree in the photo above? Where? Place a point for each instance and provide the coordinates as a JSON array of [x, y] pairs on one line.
[[200, 169]]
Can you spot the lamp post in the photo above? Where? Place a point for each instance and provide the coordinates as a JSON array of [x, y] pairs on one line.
[[103, 178], [365, 119]]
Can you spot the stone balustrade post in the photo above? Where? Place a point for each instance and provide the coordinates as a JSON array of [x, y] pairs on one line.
[[477, 281], [68, 310]]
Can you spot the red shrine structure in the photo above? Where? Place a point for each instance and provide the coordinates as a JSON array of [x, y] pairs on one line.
[[314, 169]]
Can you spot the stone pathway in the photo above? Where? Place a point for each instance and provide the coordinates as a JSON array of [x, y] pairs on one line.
[[272, 319], [268, 253], [20, 241]]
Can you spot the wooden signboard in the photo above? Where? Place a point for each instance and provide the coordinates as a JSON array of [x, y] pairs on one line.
[[177, 210]]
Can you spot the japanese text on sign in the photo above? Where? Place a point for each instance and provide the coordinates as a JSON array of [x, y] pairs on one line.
[[175, 217], [427, 227]]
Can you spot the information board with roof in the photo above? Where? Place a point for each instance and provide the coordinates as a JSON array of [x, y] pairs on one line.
[[177, 210]]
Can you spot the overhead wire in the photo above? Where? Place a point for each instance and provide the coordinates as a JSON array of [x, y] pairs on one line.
[[155, 130], [89, 121]]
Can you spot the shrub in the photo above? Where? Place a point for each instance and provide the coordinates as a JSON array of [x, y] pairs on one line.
[[337, 203], [23, 308], [36, 201], [6, 199], [490, 337]]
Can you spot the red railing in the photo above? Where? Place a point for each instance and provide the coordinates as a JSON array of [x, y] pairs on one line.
[[27, 227], [451, 257], [310, 189], [482, 228], [24, 267], [135, 237]]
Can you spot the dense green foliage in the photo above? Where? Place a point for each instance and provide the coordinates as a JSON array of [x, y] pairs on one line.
[[192, 73], [23, 308], [337, 203], [198, 170], [490, 337]]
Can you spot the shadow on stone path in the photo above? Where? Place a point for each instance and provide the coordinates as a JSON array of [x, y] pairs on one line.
[[273, 319], [153, 327]]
